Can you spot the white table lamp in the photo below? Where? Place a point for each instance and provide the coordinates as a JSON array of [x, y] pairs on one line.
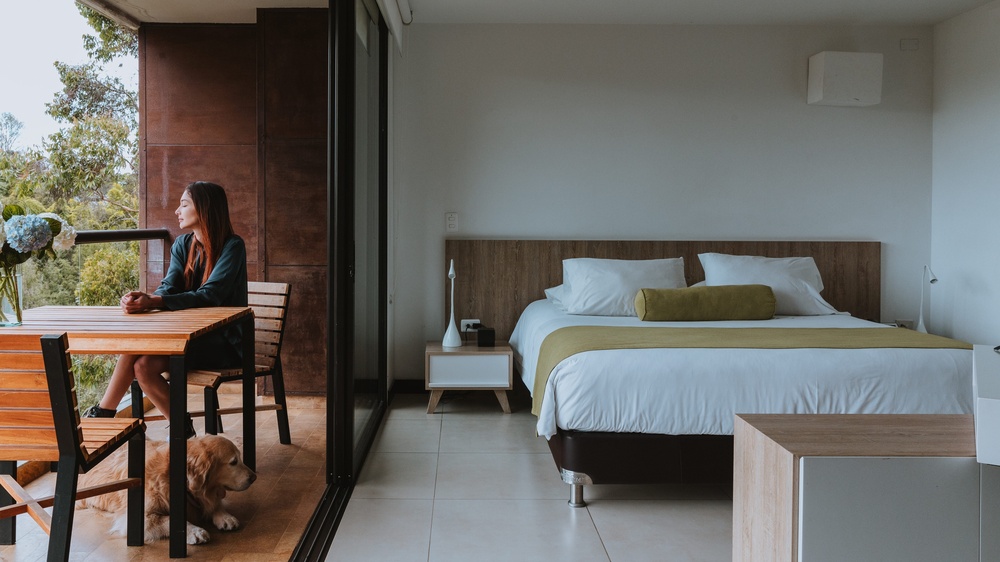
[[451, 336]]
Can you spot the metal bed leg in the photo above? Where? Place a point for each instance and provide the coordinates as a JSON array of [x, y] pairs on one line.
[[576, 480]]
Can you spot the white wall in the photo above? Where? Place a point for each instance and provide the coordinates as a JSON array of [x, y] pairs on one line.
[[965, 246], [650, 132]]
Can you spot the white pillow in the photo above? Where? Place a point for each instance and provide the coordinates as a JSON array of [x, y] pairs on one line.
[[602, 287], [555, 295], [796, 282]]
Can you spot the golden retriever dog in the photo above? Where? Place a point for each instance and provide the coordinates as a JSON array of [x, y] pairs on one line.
[[214, 467]]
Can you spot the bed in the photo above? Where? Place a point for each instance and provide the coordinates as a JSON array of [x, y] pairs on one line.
[[665, 414]]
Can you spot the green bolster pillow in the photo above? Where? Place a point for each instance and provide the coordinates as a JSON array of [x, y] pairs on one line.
[[723, 302]]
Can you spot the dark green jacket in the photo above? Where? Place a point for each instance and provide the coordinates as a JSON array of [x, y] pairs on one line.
[[226, 286]]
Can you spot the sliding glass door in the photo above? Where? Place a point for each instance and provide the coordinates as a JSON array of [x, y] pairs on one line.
[[369, 229], [357, 196]]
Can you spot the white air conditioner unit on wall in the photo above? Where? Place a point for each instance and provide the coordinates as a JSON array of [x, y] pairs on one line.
[[847, 79]]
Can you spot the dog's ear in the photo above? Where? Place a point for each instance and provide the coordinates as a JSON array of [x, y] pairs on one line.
[[198, 465]]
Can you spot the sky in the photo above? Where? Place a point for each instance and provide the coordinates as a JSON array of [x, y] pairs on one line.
[[33, 35]]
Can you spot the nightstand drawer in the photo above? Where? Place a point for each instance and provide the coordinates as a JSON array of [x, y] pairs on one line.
[[458, 370], [468, 368]]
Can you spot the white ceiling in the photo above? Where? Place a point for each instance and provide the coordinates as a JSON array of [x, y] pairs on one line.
[[702, 12]]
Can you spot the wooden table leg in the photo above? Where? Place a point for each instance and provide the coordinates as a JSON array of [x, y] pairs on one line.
[[432, 404], [502, 398], [249, 396], [178, 457]]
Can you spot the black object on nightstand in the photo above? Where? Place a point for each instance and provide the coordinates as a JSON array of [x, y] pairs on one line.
[[486, 337]]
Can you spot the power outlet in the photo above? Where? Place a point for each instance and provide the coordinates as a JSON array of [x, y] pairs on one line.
[[467, 324]]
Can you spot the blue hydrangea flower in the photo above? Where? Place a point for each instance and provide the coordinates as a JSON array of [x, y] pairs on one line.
[[27, 233]]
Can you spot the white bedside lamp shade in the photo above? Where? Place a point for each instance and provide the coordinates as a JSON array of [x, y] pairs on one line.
[[931, 279]]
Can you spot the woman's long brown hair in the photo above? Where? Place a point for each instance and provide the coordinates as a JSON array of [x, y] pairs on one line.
[[212, 208]]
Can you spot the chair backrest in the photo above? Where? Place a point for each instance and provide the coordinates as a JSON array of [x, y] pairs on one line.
[[27, 424], [270, 307]]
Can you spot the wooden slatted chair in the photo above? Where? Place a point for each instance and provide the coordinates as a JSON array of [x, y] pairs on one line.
[[269, 302], [40, 421]]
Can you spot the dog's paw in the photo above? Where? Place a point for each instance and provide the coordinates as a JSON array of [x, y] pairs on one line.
[[225, 521], [196, 535]]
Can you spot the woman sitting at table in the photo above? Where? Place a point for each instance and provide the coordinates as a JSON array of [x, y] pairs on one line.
[[208, 267]]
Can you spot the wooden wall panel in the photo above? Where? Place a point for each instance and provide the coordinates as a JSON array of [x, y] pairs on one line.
[[496, 279], [295, 205], [294, 64], [200, 84], [292, 87], [303, 352]]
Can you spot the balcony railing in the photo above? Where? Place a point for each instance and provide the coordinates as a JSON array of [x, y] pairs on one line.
[[133, 235], [100, 236]]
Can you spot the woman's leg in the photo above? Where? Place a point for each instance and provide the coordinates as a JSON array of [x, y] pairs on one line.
[[121, 378], [147, 372]]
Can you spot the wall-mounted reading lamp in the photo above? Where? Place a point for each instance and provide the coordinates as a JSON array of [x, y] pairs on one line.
[[931, 279]]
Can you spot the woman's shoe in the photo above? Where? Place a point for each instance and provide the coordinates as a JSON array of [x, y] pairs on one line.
[[189, 432], [96, 411]]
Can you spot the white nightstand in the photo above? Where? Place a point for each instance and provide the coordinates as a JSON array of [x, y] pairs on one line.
[[468, 368]]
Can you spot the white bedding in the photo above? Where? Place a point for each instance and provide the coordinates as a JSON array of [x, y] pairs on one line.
[[697, 391]]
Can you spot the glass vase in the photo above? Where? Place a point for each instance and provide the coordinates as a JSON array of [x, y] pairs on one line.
[[10, 297]]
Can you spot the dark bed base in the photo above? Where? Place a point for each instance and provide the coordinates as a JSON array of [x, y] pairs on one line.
[[585, 458]]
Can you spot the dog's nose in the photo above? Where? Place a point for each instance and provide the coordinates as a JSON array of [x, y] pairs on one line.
[[253, 476]]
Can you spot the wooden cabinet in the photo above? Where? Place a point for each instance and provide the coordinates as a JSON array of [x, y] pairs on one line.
[[855, 487], [468, 368]]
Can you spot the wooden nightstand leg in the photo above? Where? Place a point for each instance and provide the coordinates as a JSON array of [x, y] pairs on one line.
[[432, 404], [502, 398]]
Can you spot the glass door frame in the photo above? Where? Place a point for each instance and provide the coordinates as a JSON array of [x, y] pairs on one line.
[[343, 459]]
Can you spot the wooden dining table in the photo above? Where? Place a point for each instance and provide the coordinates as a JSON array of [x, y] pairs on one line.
[[109, 330]]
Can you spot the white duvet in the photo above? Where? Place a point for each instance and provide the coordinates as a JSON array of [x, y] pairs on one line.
[[697, 391]]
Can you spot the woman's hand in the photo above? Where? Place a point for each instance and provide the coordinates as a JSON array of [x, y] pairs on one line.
[[137, 301]]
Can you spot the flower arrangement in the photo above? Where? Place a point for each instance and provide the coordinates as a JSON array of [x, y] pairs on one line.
[[23, 236]]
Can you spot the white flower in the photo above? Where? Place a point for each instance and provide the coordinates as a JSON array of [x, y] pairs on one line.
[[66, 238]]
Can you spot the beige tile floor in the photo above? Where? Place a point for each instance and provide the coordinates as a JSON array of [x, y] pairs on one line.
[[273, 511], [470, 483]]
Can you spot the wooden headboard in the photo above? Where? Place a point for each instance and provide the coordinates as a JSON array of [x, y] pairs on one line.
[[496, 279]]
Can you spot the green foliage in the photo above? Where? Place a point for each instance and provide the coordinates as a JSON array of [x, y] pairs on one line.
[[50, 281], [108, 273], [10, 129], [112, 40], [89, 93], [92, 375]]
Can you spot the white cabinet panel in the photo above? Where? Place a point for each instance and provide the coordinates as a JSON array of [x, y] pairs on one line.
[[905, 509], [468, 371], [986, 382]]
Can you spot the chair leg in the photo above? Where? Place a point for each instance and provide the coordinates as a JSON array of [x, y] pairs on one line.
[[8, 526], [277, 380], [63, 509], [213, 421], [137, 406], [135, 517]]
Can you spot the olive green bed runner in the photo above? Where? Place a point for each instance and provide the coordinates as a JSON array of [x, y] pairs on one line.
[[564, 342]]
